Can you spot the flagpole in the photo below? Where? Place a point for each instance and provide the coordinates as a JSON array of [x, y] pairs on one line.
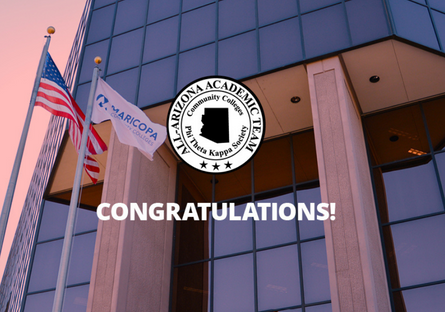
[[18, 157], [69, 230]]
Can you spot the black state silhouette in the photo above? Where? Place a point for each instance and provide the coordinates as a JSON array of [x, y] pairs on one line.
[[215, 125]]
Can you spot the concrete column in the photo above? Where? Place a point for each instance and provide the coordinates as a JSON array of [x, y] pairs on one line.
[[355, 259], [132, 260]]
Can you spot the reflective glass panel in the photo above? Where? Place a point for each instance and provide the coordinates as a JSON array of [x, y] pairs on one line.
[[137, 9], [269, 233], [160, 9], [101, 23], [437, 4], [157, 82], [428, 298], [125, 83], [440, 158], [40, 302], [315, 271], [45, 266], [278, 278], [191, 284], [325, 31], [280, 44], [434, 112], [53, 221], [412, 191], [190, 4], [161, 39], [310, 5], [305, 157], [81, 258], [88, 64], [76, 299], [86, 221], [310, 229], [233, 284], [236, 16], [232, 236], [82, 94], [413, 22], [320, 308], [269, 11], [238, 56], [234, 184], [418, 250], [125, 51], [200, 21], [195, 64], [100, 3]]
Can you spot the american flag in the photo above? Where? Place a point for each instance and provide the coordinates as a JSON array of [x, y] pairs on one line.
[[53, 95]]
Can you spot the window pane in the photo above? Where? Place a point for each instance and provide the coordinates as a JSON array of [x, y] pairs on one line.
[[233, 236], [429, 299], [137, 9], [45, 266], [269, 11], [278, 278], [157, 82], [100, 3], [101, 23], [315, 271], [82, 93], [161, 39], [238, 56], [280, 44], [201, 21], [437, 4], [76, 299], [439, 20], [269, 233], [305, 157], [413, 22], [81, 258], [440, 158], [434, 112], [320, 308], [125, 51], [191, 285], [91, 51], [190, 4], [160, 9], [53, 221], [325, 31], [412, 192], [195, 64], [236, 16], [233, 284], [234, 184], [418, 251], [40, 302], [86, 221], [310, 229], [125, 83], [310, 5]]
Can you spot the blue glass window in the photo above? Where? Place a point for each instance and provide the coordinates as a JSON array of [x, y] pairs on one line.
[[160, 9], [45, 266], [76, 299], [238, 56], [413, 22], [233, 285], [233, 236], [437, 4], [311, 5], [236, 16], [82, 94], [429, 298], [310, 229], [280, 44], [315, 271], [53, 221], [157, 82], [40, 302], [125, 51], [278, 278], [91, 51], [367, 20], [325, 31], [101, 23], [137, 9], [270, 11], [439, 20], [190, 4], [201, 21], [161, 39], [320, 308], [81, 258], [125, 84], [101, 3], [196, 63]]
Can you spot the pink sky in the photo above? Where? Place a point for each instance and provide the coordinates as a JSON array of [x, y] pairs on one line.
[[24, 24]]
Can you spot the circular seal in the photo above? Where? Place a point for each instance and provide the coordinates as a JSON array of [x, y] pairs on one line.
[[216, 124]]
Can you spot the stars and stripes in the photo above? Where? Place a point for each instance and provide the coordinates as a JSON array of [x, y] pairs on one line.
[[53, 95]]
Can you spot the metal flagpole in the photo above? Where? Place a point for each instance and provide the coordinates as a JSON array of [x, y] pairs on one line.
[[64, 261], [69, 230], [18, 157]]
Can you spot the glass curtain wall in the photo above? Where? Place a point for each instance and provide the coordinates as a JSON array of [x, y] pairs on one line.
[[253, 265], [406, 148]]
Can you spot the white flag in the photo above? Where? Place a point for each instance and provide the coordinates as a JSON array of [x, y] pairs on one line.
[[131, 124]]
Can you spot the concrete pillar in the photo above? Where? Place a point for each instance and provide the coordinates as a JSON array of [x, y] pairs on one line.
[[132, 260], [355, 259]]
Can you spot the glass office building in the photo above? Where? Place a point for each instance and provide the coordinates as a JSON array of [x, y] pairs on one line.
[[353, 93]]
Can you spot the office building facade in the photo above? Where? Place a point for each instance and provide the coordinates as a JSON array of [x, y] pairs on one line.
[[353, 96]]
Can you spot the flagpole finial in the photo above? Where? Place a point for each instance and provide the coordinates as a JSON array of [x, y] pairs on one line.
[[51, 30], [97, 60]]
